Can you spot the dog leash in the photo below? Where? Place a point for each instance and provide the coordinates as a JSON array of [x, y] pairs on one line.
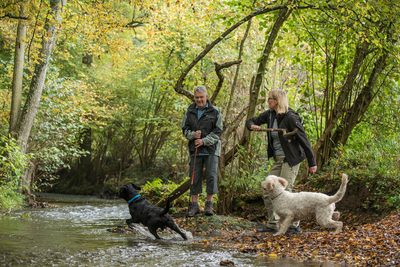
[[191, 184], [272, 198], [194, 165]]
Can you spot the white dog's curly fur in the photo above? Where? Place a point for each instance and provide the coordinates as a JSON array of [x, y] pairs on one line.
[[297, 206]]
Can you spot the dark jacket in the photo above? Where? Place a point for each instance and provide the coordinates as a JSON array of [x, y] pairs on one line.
[[210, 124], [296, 147]]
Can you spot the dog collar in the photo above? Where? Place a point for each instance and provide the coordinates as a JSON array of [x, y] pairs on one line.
[[135, 197], [272, 198]]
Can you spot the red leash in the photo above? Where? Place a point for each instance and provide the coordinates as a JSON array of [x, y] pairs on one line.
[[191, 184], [194, 165]]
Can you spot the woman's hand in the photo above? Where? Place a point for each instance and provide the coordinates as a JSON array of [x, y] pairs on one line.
[[313, 169], [255, 127]]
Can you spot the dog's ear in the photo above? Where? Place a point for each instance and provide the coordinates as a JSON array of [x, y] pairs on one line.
[[136, 187], [283, 182], [270, 185]]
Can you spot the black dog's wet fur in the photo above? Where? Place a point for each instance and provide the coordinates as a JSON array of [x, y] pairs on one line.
[[142, 211]]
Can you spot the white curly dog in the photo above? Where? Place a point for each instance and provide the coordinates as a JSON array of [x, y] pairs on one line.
[[297, 206]]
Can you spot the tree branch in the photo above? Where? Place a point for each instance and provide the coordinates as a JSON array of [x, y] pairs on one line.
[[14, 17], [179, 84], [218, 69]]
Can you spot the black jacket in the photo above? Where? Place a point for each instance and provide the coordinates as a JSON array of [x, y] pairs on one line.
[[296, 147], [210, 124]]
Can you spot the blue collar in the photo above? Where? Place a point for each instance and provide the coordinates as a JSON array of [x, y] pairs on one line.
[[135, 197], [197, 107]]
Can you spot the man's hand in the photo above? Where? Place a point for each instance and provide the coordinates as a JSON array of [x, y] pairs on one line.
[[313, 169], [255, 127], [198, 142], [197, 134]]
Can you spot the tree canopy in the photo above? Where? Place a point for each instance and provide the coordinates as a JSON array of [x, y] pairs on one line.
[[103, 86]]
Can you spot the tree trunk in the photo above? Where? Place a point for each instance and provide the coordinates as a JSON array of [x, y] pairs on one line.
[[18, 72], [39, 76], [85, 168], [225, 195], [342, 120], [256, 86], [27, 182], [31, 105], [323, 147], [356, 112]]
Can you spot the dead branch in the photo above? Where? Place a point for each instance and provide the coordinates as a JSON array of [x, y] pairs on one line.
[[218, 69], [279, 130], [179, 84], [13, 17]]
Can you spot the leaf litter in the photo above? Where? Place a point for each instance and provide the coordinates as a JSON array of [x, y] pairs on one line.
[[369, 244]]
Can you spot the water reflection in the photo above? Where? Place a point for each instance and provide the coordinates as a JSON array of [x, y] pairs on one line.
[[75, 235]]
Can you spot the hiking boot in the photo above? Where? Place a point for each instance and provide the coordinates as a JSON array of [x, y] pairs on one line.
[[296, 230], [193, 209], [267, 230], [208, 209]]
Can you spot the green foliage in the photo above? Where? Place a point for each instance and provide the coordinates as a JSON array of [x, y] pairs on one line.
[[252, 170], [12, 166], [371, 162], [10, 199], [157, 190], [55, 138], [394, 201]]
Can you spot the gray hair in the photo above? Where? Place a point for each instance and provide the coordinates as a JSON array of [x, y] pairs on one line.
[[200, 89]]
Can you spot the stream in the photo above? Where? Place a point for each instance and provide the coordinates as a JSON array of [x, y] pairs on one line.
[[75, 234]]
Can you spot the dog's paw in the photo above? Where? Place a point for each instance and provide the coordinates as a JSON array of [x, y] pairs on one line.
[[336, 216]]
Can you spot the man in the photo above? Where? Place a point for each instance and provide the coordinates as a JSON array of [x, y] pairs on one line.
[[202, 126]]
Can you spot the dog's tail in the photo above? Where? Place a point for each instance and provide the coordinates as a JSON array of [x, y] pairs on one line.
[[340, 193], [166, 209]]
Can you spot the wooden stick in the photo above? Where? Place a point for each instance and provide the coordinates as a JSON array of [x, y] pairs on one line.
[[279, 130]]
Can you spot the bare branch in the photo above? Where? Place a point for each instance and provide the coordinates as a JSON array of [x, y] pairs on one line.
[[13, 17], [179, 84], [218, 69]]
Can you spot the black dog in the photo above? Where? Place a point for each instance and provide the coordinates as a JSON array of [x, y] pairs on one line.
[[142, 211]]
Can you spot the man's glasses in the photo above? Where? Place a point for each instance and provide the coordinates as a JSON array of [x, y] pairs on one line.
[[269, 98]]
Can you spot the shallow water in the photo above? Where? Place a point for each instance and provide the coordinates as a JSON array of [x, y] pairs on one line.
[[75, 234]]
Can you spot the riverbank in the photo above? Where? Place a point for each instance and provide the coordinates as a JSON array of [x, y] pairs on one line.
[[365, 239], [74, 234], [371, 244]]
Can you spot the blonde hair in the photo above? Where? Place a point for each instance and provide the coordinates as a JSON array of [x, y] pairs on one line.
[[281, 97]]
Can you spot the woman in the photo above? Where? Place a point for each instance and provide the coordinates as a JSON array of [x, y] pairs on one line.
[[288, 152]]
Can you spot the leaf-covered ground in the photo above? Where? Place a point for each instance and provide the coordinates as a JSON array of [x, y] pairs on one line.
[[371, 244]]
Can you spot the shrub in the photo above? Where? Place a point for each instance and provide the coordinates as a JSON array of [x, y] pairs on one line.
[[12, 166], [373, 166]]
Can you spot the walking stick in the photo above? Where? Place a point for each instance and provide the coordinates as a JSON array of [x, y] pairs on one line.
[[279, 130], [191, 184]]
